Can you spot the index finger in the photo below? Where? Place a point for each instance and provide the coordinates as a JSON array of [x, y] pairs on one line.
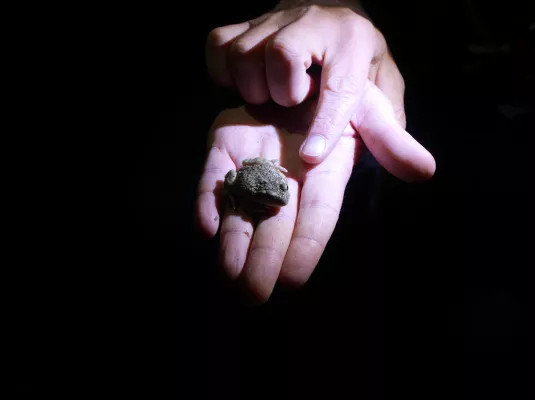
[[344, 74]]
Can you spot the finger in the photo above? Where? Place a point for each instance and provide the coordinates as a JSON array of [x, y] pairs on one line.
[[393, 147], [247, 62], [217, 47], [209, 191], [287, 61], [235, 239], [321, 200], [391, 83], [270, 242], [344, 74]]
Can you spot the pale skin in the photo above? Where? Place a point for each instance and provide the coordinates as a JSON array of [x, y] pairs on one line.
[[360, 100], [268, 57], [287, 247]]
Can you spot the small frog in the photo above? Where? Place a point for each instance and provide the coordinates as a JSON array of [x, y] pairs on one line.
[[259, 186]]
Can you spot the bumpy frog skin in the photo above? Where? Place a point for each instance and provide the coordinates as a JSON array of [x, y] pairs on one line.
[[259, 186]]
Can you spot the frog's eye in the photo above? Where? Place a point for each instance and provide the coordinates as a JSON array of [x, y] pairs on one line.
[[284, 186]]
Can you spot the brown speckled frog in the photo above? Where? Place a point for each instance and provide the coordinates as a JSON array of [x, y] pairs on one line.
[[258, 186]]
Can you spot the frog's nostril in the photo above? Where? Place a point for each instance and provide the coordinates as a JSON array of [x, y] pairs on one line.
[[284, 186]]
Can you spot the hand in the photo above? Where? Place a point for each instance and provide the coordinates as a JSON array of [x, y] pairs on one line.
[[288, 246], [269, 57]]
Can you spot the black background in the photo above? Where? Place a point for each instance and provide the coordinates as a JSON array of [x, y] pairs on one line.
[[424, 290]]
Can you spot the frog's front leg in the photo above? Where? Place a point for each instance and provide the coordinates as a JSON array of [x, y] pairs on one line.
[[230, 177]]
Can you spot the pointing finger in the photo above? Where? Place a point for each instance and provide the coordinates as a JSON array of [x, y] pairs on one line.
[[344, 74]]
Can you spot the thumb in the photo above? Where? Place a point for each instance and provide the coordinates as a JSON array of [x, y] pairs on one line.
[[393, 147]]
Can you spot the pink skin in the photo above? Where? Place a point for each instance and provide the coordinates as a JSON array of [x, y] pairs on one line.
[[288, 246], [267, 58]]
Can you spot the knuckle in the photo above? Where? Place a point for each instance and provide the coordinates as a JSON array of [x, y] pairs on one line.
[[297, 12], [325, 126], [322, 205], [283, 218], [374, 63], [311, 242], [239, 49], [236, 234], [357, 27], [342, 86], [365, 25], [217, 37], [337, 175], [260, 20], [211, 169], [282, 49], [267, 254], [311, 11]]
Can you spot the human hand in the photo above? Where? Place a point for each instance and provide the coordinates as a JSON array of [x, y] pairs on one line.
[[268, 58], [287, 246]]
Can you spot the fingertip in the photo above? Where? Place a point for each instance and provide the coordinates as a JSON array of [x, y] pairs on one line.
[[301, 259], [420, 169], [427, 168], [253, 299], [254, 293], [291, 280], [421, 164], [259, 275]]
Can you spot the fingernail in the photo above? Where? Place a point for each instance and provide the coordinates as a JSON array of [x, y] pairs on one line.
[[314, 146]]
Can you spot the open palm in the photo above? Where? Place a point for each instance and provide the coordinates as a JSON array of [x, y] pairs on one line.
[[288, 245]]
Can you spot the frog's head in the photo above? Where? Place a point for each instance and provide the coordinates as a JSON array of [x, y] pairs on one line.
[[258, 185], [273, 194]]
